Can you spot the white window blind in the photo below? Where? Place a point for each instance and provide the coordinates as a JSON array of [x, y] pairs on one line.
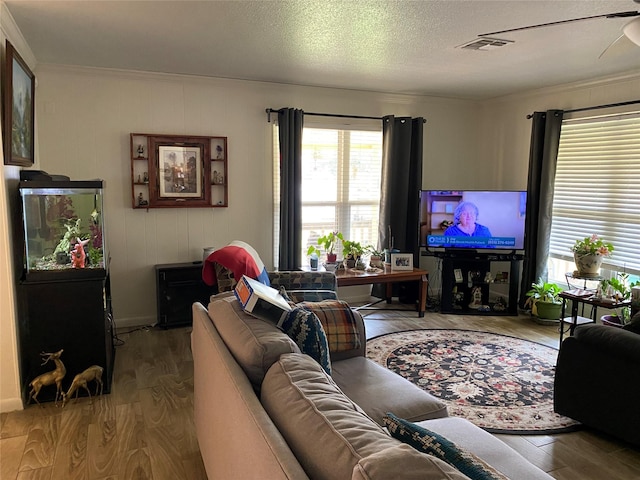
[[597, 188], [341, 171]]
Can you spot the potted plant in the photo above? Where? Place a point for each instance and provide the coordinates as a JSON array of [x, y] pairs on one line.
[[376, 257], [328, 243], [618, 289], [352, 252], [544, 300], [588, 253]]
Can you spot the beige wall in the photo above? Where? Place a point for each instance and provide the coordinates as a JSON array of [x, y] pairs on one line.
[[85, 117], [9, 175]]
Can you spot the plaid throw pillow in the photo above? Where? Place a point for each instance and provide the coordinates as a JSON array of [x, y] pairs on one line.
[[339, 323]]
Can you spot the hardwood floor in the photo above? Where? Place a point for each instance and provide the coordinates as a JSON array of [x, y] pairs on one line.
[[144, 428]]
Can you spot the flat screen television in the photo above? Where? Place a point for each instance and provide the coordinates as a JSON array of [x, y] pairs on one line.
[[472, 219]]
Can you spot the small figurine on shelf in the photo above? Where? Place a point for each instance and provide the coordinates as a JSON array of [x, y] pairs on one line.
[[139, 179], [476, 295], [78, 255], [141, 201], [140, 151], [146, 177], [214, 180], [220, 179], [219, 152]]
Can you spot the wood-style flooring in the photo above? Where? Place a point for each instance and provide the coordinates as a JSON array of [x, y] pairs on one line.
[[144, 428]]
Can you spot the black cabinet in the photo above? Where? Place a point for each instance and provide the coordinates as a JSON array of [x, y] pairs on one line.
[[480, 284], [178, 286], [72, 315]]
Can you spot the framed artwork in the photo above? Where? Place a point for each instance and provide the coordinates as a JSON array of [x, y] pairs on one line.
[[402, 261], [19, 110], [179, 171]]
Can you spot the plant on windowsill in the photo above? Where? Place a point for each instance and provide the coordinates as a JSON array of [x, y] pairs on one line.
[[618, 289], [544, 300], [328, 243]]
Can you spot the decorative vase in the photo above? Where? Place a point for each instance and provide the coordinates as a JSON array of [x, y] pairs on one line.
[[588, 265]]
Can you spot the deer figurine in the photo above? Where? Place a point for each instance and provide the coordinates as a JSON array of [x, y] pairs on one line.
[[94, 372], [49, 378]]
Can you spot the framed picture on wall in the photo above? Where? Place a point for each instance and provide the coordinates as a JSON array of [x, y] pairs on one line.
[[179, 171], [19, 110], [402, 261]]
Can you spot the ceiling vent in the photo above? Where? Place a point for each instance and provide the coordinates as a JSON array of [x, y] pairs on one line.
[[485, 44]]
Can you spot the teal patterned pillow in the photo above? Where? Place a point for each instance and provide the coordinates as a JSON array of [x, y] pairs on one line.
[[426, 441], [304, 328]]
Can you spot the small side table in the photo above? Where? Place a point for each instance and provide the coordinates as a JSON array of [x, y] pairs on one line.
[[584, 297]]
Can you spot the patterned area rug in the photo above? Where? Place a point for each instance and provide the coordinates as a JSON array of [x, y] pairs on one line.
[[502, 384]]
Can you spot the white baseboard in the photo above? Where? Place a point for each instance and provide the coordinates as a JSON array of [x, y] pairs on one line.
[[10, 405], [132, 322]]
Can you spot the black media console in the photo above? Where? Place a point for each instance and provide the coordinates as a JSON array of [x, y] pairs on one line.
[[480, 283]]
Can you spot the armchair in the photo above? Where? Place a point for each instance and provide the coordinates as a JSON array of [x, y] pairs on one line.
[[597, 380]]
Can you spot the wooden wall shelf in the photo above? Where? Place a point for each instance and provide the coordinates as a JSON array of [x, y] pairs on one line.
[[178, 171]]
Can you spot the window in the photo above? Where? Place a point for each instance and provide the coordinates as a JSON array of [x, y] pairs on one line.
[[341, 171], [597, 190]]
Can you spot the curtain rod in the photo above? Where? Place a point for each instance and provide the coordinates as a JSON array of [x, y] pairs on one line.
[[597, 107], [337, 115]]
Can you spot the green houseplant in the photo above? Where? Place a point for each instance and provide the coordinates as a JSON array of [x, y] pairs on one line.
[[352, 252], [618, 288], [544, 300], [328, 243]]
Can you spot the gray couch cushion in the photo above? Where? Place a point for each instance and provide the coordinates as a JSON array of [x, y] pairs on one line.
[[406, 463], [485, 446], [254, 343], [328, 433], [378, 391]]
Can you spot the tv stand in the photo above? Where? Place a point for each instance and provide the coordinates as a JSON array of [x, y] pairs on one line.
[[480, 283]]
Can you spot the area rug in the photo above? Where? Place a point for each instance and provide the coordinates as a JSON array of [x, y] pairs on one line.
[[500, 383]]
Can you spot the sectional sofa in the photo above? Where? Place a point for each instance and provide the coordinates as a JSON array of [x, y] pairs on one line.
[[264, 410]]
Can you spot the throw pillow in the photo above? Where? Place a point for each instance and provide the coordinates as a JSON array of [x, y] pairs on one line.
[[435, 444], [339, 323], [305, 329]]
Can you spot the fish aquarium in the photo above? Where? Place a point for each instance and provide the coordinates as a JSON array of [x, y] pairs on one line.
[[63, 229]]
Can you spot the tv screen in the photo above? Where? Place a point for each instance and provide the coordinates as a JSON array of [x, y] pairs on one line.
[[472, 219]]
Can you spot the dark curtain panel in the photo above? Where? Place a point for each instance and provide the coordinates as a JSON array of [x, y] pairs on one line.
[[290, 124], [402, 140], [543, 154]]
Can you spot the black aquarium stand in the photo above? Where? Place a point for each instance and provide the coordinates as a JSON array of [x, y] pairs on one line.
[[178, 286], [464, 274], [74, 315]]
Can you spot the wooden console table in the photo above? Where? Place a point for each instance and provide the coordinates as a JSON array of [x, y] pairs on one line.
[[350, 277]]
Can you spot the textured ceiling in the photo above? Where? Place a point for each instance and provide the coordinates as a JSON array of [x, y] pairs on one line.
[[387, 46]]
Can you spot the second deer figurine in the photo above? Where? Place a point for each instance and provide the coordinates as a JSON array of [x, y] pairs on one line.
[[94, 372]]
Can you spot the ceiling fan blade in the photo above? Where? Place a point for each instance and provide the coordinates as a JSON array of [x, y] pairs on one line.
[[632, 31], [561, 22], [619, 46]]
